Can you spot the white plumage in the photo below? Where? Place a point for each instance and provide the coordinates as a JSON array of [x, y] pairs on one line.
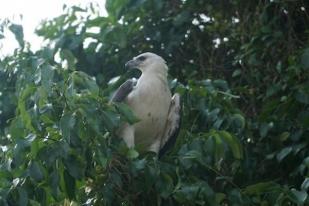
[[150, 100]]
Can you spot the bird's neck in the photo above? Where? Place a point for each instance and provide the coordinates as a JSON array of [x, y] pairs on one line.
[[158, 69], [155, 74]]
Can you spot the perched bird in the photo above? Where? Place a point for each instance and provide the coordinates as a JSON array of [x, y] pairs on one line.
[[150, 100]]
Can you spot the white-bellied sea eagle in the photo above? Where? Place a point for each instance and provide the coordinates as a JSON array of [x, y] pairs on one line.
[[151, 101]]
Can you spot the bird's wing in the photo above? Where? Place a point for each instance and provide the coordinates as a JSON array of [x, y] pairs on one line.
[[123, 91], [172, 125]]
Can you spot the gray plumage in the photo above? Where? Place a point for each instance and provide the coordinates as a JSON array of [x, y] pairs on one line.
[[123, 91]]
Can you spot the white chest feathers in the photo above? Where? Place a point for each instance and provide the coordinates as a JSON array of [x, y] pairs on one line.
[[150, 101]]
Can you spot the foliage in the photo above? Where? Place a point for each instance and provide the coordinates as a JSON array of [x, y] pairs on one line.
[[241, 68]]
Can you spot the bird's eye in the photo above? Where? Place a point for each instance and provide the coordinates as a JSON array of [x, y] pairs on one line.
[[141, 58]]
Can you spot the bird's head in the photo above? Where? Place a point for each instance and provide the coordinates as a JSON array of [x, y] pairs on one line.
[[147, 62]]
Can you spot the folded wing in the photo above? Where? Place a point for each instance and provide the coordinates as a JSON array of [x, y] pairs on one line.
[[172, 125], [123, 91]]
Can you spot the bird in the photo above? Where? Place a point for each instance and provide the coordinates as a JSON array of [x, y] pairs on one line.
[[151, 101]]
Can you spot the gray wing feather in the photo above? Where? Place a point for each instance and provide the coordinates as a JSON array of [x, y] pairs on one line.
[[123, 91], [172, 125]]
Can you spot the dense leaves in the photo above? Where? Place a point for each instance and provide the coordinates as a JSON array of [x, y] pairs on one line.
[[241, 68]]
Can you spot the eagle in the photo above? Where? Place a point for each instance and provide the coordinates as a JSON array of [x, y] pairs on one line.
[[151, 101]]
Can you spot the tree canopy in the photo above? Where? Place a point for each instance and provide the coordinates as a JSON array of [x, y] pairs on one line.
[[241, 68]]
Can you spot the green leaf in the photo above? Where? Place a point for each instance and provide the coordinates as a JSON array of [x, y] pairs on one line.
[[35, 171], [115, 34], [299, 197], [305, 184], [74, 167], [233, 143], [115, 8], [192, 154], [47, 73], [19, 33], [98, 21], [165, 185], [132, 153], [239, 121], [213, 114], [261, 187], [139, 164], [110, 120], [283, 153], [264, 128], [236, 73], [30, 138], [78, 9], [304, 60], [284, 136], [191, 192], [302, 96], [23, 197], [67, 123], [222, 84], [126, 112], [70, 185], [54, 181], [182, 18], [83, 81], [68, 55], [219, 147], [220, 197], [272, 90], [25, 116]]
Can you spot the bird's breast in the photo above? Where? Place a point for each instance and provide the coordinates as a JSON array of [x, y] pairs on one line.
[[150, 102]]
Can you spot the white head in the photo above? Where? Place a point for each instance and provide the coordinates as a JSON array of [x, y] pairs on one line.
[[148, 62]]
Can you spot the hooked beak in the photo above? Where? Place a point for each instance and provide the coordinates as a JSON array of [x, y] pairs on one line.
[[132, 64]]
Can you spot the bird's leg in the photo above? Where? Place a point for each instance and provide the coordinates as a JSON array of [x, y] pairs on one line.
[[128, 135]]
